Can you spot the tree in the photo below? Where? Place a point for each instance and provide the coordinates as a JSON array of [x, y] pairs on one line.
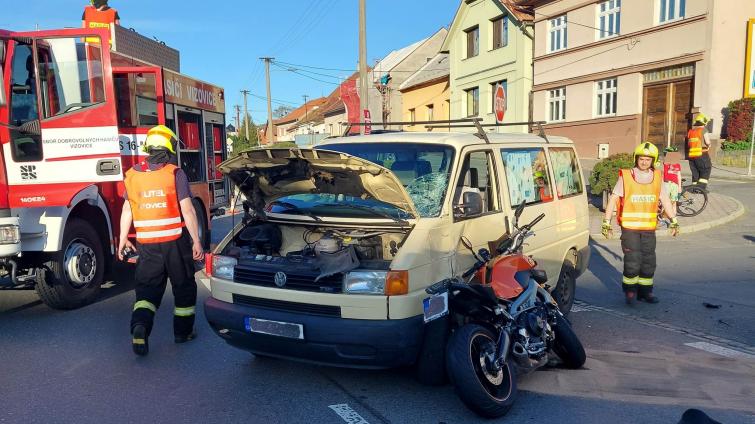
[[282, 111], [240, 142]]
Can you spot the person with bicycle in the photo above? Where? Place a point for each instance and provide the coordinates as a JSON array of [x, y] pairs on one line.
[[636, 194]]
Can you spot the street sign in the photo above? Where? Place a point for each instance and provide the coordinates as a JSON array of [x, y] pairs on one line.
[[499, 103], [368, 120]]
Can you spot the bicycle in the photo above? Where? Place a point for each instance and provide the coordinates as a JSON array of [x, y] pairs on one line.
[[692, 200]]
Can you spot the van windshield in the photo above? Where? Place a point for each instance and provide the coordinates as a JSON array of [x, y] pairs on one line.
[[423, 169]]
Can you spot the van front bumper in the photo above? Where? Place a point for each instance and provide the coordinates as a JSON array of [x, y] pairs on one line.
[[328, 340]]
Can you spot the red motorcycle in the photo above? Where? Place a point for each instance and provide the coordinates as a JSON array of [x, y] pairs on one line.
[[502, 321]]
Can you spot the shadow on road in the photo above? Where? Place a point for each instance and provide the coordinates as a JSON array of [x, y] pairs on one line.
[[603, 270]]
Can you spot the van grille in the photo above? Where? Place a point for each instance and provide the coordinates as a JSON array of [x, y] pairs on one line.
[[280, 305], [301, 282]]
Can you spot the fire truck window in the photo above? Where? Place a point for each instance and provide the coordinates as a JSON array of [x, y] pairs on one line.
[[146, 100], [123, 100], [23, 105], [70, 74]]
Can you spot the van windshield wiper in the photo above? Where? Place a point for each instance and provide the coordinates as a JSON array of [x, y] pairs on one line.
[[367, 209], [290, 207]]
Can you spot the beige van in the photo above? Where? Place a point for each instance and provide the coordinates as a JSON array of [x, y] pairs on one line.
[[339, 242]]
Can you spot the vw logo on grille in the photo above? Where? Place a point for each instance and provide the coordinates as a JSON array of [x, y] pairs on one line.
[[280, 279]]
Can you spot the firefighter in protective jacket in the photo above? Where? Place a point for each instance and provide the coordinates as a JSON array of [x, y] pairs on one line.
[[698, 144], [637, 193], [158, 202]]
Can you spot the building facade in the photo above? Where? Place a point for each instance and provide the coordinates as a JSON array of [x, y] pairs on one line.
[[489, 43], [426, 95], [609, 74]]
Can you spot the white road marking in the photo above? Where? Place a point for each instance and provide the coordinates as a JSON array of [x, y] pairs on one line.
[[349, 415], [720, 350], [577, 308]]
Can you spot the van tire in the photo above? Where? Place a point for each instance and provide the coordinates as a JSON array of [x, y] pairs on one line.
[[430, 368], [566, 287], [54, 285]]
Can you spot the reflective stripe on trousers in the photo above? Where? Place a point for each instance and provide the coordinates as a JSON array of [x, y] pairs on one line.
[[184, 312]]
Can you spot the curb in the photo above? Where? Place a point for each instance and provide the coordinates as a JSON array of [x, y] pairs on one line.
[[692, 228]]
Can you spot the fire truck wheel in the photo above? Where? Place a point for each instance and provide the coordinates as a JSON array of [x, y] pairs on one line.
[[202, 224], [72, 277]]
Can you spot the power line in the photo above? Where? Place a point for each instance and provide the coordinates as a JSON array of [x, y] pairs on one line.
[[306, 76], [281, 102], [630, 45]]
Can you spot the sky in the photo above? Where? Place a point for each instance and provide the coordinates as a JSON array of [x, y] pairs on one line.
[[221, 41]]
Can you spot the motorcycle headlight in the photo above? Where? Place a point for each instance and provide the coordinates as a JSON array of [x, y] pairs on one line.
[[9, 234], [222, 266], [364, 282]]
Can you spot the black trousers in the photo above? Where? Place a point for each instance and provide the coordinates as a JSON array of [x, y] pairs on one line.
[[700, 168], [157, 262], [639, 260]]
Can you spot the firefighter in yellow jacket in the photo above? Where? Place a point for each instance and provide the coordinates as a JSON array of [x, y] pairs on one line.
[[636, 194], [158, 202]]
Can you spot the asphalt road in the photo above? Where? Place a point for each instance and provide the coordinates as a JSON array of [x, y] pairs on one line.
[[646, 364]]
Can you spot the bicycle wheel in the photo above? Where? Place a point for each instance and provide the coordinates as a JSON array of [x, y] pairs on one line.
[[692, 201]]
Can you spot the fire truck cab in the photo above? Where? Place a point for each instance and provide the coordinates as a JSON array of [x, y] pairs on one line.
[[73, 118]]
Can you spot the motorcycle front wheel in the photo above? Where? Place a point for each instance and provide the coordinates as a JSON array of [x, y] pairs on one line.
[[567, 345], [489, 393]]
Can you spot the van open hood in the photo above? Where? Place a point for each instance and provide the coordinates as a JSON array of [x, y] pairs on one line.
[[264, 175]]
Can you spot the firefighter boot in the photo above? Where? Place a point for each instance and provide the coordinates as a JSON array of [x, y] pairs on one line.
[[629, 296], [646, 294], [139, 340]]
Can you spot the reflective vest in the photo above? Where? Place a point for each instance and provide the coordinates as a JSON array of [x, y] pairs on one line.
[[545, 195], [638, 208], [94, 18], [695, 137], [154, 204]]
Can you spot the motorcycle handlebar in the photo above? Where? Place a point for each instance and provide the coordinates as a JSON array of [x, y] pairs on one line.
[[439, 287], [538, 219], [470, 271]]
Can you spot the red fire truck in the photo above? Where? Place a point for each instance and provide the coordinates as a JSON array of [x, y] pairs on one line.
[[73, 117]]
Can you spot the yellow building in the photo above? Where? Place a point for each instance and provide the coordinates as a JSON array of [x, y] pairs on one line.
[[426, 94]]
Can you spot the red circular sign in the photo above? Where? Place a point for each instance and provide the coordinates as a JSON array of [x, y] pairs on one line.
[[500, 103]]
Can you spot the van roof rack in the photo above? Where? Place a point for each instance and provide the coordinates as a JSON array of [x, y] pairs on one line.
[[455, 123]]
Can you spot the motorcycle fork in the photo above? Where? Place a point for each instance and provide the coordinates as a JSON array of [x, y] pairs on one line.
[[502, 347]]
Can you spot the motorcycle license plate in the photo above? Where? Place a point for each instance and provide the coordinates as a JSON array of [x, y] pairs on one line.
[[435, 306], [274, 328]]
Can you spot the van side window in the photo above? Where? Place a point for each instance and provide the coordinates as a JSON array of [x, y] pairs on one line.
[[478, 175], [566, 171], [527, 176]]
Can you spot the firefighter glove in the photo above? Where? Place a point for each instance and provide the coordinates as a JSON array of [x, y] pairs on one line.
[[674, 227], [606, 229]]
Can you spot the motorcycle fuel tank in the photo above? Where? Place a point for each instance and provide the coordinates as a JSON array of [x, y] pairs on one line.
[[507, 275]]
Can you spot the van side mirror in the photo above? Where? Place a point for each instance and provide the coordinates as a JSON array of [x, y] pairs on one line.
[[471, 206]]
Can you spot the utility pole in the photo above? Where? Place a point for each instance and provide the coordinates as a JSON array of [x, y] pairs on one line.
[[305, 113], [246, 114], [238, 118], [363, 88], [270, 128]]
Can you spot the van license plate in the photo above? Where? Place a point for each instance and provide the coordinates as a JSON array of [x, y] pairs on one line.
[[274, 328], [435, 306]]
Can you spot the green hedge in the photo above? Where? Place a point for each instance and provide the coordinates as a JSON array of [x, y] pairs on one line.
[[606, 172], [736, 145]]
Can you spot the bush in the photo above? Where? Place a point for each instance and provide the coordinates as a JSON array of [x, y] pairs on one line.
[[736, 145], [739, 124], [606, 172]]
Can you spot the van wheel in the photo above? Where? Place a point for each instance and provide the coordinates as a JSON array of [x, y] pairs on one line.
[[430, 368], [565, 287], [73, 276]]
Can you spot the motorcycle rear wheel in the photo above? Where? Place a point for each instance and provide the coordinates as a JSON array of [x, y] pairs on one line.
[[567, 345], [486, 393]]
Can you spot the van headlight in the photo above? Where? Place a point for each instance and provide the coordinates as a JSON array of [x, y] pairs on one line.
[[9, 234], [222, 266], [365, 282]]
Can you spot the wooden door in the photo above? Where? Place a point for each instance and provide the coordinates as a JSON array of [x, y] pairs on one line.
[[682, 104], [666, 109], [655, 114]]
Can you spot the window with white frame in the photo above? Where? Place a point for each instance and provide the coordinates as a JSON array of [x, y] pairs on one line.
[[500, 32], [473, 41], [412, 115], [671, 10], [606, 100], [609, 18], [557, 104], [430, 114], [557, 33]]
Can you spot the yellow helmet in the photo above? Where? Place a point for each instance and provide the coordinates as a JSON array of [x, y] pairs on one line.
[[539, 174], [161, 137], [646, 149], [701, 118]]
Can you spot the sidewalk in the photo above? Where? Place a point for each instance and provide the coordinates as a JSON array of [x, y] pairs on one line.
[[719, 172]]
